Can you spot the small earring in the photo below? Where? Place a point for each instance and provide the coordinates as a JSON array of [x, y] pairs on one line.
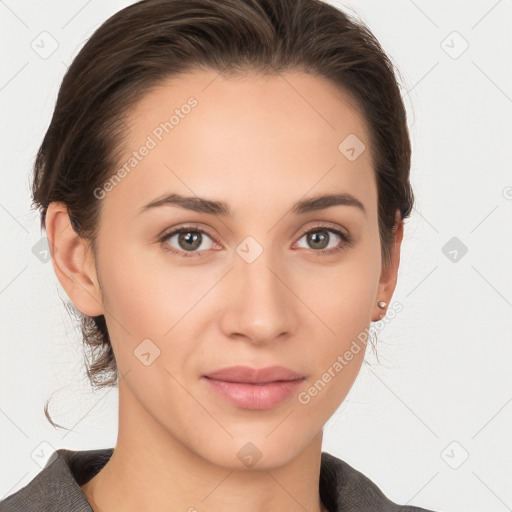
[[382, 304]]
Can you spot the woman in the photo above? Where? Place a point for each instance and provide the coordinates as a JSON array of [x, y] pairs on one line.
[[224, 186]]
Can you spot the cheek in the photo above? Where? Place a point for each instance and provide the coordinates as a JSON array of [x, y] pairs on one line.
[[343, 295], [146, 297], [138, 299]]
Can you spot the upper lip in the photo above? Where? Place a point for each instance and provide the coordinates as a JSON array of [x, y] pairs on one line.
[[254, 375]]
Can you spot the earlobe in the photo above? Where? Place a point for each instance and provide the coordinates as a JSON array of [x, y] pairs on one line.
[[389, 274], [73, 261]]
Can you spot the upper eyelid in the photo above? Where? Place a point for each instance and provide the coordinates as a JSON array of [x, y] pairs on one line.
[[318, 225], [167, 233]]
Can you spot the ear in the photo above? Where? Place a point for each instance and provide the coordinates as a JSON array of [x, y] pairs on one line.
[[73, 261], [389, 274]]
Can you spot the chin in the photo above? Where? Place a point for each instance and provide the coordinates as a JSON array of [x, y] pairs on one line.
[[257, 452]]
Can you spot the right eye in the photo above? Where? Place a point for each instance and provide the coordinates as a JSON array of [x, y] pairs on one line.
[[188, 239]]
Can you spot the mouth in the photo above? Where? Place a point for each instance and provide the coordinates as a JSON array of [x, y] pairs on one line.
[[257, 389]]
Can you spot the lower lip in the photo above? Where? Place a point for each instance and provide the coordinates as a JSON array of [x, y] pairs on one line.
[[254, 396]]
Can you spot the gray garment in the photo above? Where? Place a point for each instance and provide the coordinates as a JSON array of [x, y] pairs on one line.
[[56, 487]]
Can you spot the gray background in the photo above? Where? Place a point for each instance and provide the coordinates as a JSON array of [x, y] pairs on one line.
[[438, 405]]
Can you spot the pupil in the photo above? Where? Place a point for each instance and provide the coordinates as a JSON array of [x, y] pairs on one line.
[[187, 237], [322, 238]]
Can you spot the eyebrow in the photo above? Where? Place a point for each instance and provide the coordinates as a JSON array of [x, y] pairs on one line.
[[202, 205]]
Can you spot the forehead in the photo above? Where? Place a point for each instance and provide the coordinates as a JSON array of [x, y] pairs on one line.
[[278, 100], [214, 135]]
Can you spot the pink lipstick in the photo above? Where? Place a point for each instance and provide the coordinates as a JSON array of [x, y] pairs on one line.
[[253, 388]]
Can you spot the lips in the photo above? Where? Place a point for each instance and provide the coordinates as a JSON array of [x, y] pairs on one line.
[[248, 375], [254, 388]]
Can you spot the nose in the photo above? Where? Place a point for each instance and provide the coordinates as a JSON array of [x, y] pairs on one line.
[[261, 306]]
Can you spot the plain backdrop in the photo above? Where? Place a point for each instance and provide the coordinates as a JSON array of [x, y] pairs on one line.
[[430, 423]]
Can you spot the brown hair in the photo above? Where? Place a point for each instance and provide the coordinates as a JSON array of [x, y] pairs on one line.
[[150, 41]]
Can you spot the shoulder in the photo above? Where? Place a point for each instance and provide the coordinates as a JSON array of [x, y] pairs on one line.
[[342, 487], [57, 486]]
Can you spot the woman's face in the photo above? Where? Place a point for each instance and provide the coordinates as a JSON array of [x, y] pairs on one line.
[[253, 289]]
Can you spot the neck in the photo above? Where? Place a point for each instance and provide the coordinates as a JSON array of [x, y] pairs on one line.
[[151, 469]]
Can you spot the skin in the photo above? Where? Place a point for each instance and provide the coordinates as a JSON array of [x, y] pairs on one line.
[[260, 144]]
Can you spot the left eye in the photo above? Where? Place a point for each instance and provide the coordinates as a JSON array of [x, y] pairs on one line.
[[320, 238]]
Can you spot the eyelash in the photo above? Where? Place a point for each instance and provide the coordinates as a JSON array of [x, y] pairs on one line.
[[347, 240]]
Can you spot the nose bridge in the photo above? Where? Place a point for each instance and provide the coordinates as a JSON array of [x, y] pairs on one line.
[[262, 305]]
